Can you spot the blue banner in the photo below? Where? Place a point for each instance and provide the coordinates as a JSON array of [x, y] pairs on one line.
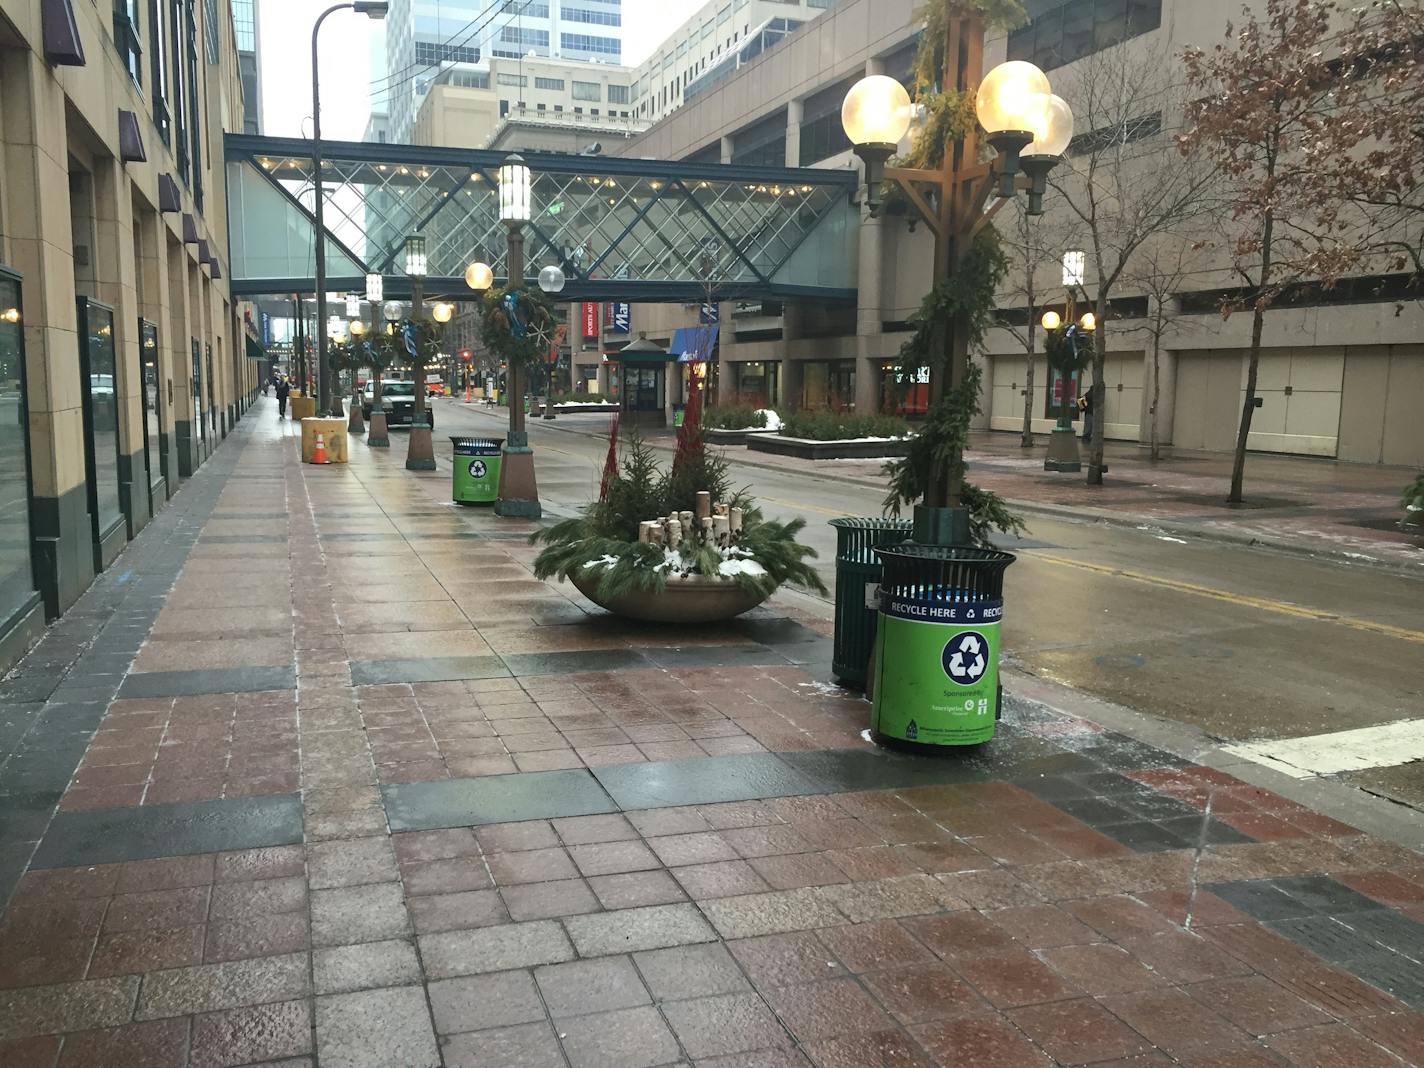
[[622, 318], [266, 329]]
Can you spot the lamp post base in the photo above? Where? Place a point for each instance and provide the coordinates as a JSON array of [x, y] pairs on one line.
[[518, 486], [1062, 451], [355, 424], [940, 526], [377, 436], [420, 451]]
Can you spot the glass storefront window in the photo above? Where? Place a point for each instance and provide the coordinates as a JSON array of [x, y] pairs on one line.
[[198, 421], [152, 402], [101, 412], [17, 581], [754, 383], [828, 384], [902, 394]]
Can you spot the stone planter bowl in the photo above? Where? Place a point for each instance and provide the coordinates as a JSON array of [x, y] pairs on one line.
[[690, 600]]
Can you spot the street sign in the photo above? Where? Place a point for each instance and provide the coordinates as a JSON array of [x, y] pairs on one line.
[[709, 313]]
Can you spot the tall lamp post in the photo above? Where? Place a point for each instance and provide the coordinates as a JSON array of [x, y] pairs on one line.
[[1065, 334], [420, 451], [327, 402], [551, 282], [518, 487], [377, 435], [1029, 129]]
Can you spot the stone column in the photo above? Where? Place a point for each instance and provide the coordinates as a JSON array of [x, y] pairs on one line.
[[727, 149], [40, 247], [794, 112], [180, 344], [116, 279]]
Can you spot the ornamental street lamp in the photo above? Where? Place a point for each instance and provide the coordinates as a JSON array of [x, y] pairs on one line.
[[1062, 336], [420, 451], [479, 277], [1015, 110], [551, 282], [518, 487], [327, 403]]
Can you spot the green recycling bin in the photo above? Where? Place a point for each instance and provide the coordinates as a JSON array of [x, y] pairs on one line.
[[857, 572], [475, 475], [937, 646]]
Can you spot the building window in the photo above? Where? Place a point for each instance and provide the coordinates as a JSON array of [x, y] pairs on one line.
[[619, 94], [126, 38], [521, 36], [822, 134], [210, 31], [429, 53], [16, 576], [598, 18], [762, 143], [555, 84], [582, 42], [587, 91], [158, 67], [1137, 129], [1079, 28], [512, 79], [533, 11], [469, 79]]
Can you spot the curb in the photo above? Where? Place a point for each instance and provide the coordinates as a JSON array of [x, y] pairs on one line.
[[1072, 513]]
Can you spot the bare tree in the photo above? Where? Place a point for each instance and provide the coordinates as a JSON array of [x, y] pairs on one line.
[[1123, 178], [1033, 244], [1159, 272]]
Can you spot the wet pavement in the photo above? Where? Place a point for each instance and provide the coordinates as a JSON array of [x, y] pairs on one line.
[[319, 774]]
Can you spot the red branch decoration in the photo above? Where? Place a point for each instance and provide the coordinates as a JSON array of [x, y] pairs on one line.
[[689, 435], [610, 464]]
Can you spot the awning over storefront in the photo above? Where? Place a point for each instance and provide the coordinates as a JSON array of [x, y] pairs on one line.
[[694, 344], [255, 351]]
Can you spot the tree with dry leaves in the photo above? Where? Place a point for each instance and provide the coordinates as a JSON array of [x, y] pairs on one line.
[[1033, 244], [1261, 99], [1123, 180]]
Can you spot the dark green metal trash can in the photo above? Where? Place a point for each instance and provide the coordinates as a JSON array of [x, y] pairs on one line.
[[475, 475], [937, 647], [856, 568]]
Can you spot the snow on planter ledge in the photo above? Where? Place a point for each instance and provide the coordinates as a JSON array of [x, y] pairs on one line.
[[815, 449]]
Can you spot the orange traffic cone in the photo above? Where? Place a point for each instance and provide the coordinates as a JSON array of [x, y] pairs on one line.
[[319, 453]]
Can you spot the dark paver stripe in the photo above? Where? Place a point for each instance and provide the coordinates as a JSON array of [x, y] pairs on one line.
[[208, 680], [421, 806], [114, 835]]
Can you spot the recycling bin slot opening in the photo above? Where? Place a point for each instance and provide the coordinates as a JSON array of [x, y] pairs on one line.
[[937, 647]]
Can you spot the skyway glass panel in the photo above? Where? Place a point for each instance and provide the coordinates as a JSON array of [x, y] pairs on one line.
[[605, 221]]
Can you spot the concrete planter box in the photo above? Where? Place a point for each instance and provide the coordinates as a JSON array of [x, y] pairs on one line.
[[684, 600], [735, 437], [811, 449]]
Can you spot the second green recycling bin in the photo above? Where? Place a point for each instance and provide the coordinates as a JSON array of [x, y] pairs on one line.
[[475, 479], [937, 645]]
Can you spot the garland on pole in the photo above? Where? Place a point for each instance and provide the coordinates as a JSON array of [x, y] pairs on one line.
[[517, 325], [967, 295]]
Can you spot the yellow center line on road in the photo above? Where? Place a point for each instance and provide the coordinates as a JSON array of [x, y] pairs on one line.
[[1283, 608]]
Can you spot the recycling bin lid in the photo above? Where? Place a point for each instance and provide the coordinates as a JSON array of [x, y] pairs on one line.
[[950, 554], [466, 441]]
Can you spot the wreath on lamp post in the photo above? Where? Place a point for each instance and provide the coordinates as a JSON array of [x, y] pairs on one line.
[[517, 325]]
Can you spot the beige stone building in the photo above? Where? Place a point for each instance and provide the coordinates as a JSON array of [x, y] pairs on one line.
[[122, 358], [1342, 372]]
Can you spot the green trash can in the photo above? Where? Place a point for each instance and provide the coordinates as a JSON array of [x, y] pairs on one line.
[[475, 473], [937, 648], [857, 567]]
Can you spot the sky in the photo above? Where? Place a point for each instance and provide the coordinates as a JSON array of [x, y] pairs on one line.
[[284, 47]]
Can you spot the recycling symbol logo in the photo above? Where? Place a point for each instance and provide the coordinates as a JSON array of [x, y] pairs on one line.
[[966, 657], [477, 469]]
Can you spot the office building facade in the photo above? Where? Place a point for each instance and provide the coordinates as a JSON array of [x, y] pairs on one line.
[[1339, 367], [122, 361], [424, 38]]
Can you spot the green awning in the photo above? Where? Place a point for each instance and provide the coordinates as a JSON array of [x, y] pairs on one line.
[[255, 351], [642, 351]]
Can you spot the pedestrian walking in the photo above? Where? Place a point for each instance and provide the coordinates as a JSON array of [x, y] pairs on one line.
[[283, 388], [1085, 405]]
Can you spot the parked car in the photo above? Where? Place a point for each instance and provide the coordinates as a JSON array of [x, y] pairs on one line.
[[398, 399]]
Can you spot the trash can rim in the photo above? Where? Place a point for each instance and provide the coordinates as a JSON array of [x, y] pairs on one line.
[[958, 554], [870, 523]]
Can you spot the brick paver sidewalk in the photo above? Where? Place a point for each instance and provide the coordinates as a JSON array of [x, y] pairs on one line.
[[339, 783]]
